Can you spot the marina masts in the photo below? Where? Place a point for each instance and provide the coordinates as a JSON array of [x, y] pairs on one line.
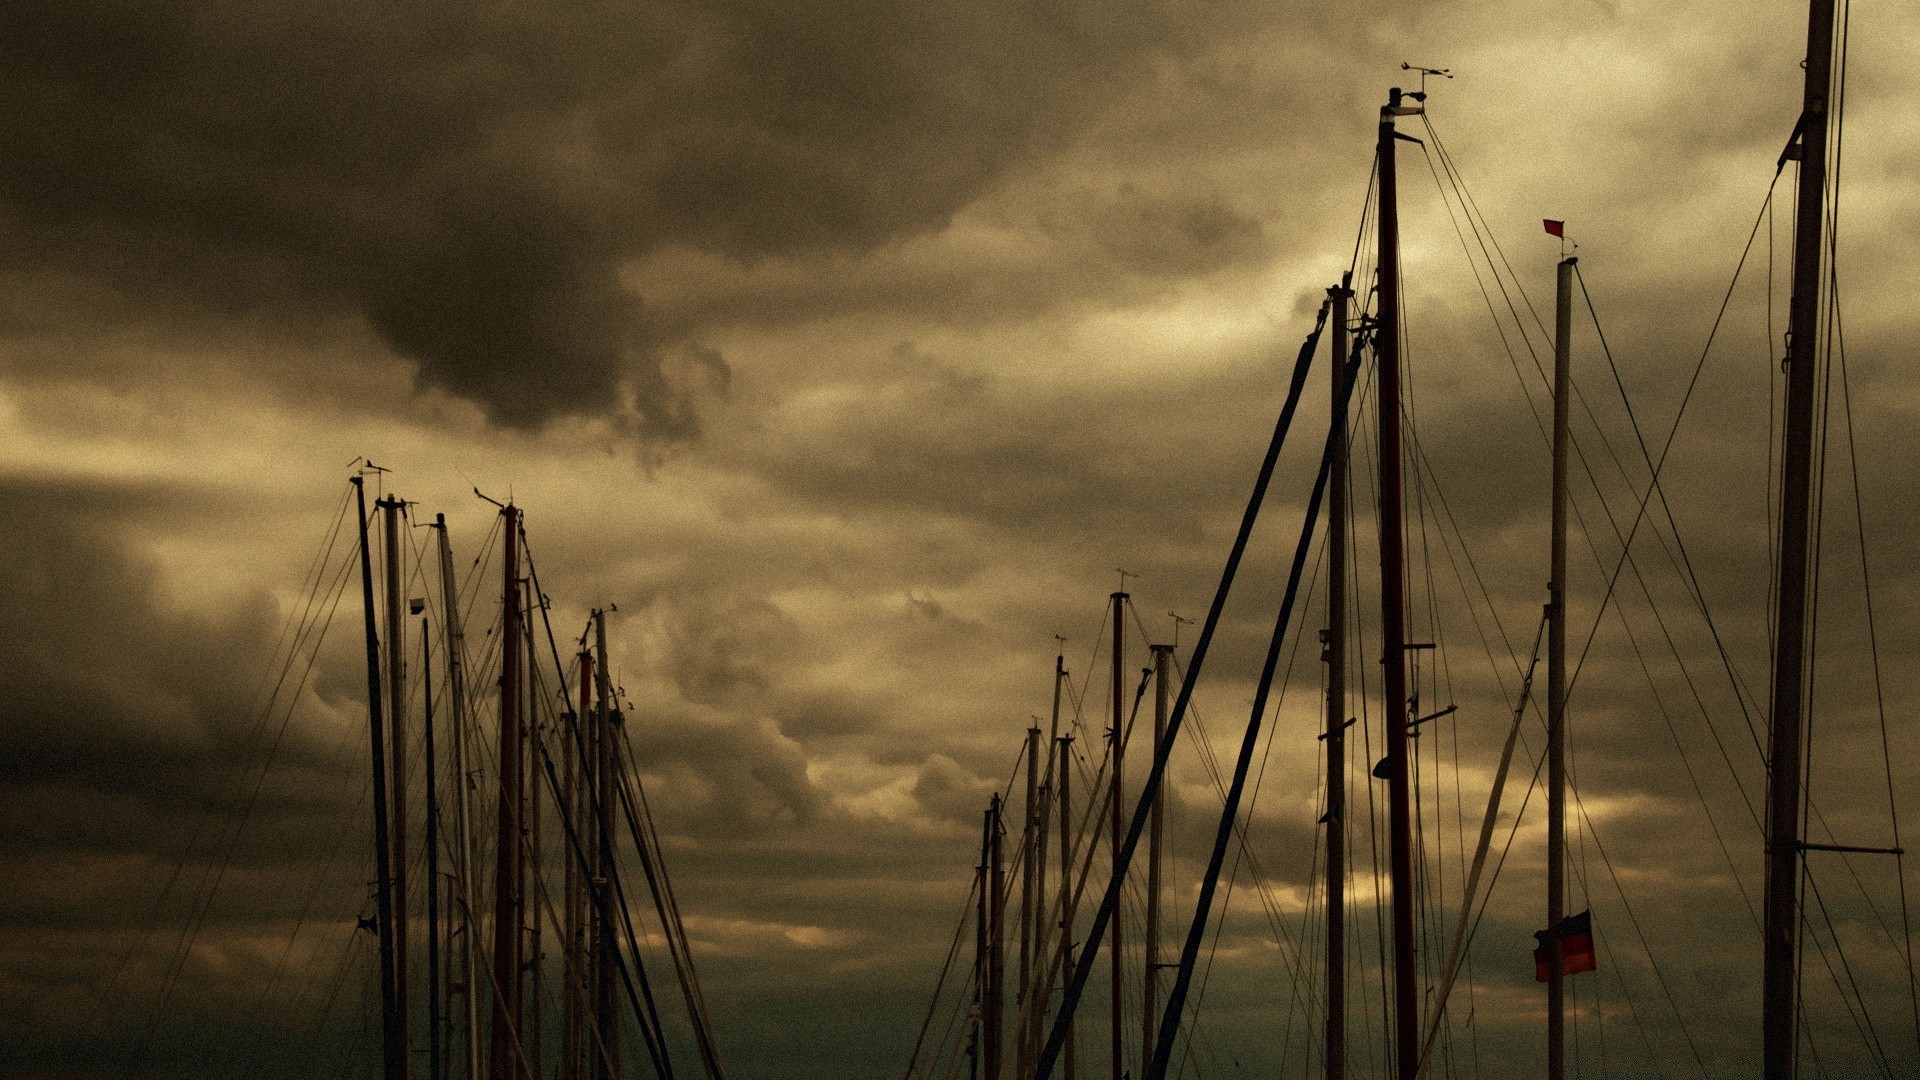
[[1557, 684], [1118, 747], [505, 1054], [462, 806], [397, 765], [1779, 996], [393, 1037], [1406, 1025], [1156, 826], [1335, 1058]]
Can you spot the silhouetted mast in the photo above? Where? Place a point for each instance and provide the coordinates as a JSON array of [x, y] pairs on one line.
[[1393, 644], [505, 1057], [397, 763], [1156, 826], [1785, 801], [1335, 1057], [1557, 685], [393, 1030], [462, 807]]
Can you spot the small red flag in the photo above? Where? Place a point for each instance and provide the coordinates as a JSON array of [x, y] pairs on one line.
[[1576, 947], [1554, 228]]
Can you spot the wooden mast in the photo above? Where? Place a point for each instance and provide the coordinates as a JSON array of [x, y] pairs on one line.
[[1335, 1056], [462, 806], [1406, 1031], [397, 764], [505, 1042], [1557, 684], [1156, 826], [1118, 748], [1779, 1000], [393, 1039]]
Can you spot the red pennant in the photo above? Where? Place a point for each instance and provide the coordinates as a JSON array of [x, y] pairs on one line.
[[1554, 228]]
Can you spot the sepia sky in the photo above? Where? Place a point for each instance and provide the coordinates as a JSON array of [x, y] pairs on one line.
[[850, 349]]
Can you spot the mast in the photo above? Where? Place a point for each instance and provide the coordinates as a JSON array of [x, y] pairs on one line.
[[1779, 1001], [606, 946], [534, 967], [397, 762], [996, 941], [1557, 684], [578, 1051], [1117, 743], [1063, 772], [1335, 1057], [1406, 1026], [1029, 921], [462, 808], [1156, 825], [393, 1038], [1036, 1011], [980, 963], [436, 1059], [505, 1044]]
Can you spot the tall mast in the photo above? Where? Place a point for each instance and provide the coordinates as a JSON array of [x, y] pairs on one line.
[[1406, 1029], [578, 1051], [996, 941], [534, 966], [1063, 788], [397, 762], [1156, 825], [1557, 684], [981, 966], [462, 806], [1335, 1058], [606, 946], [1036, 1011], [505, 1045], [393, 1040], [1029, 920], [1791, 602], [1118, 747], [436, 1057]]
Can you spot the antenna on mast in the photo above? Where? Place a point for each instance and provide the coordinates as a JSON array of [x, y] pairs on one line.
[[1421, 94]]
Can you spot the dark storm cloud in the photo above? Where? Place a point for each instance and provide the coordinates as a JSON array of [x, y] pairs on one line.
[[469, 177]]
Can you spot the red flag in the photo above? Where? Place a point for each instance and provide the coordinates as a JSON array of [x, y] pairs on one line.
[[1554, 228]]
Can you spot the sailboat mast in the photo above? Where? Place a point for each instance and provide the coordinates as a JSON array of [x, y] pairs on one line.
[[397, 763], [505, 1048], [981, 965], [1557, 684], [393, 1042], [436, 1057], [996, 941], [606, 945], [1791, 602], [1115, 824], [1029, 920], [462, 806], [1393, 601], [1063, 773], [1156, 827], [1335, 1057]]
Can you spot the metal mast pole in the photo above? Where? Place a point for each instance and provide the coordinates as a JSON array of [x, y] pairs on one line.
[[462, 808], [535, 966], [1029, 916], [436, 1058], [607, 945], [1406, 1031], [996, 941], [1557, 684], [981, 965], [1335, 1057], [505, 1043], [1156, 826], [1037, 1010], [579, 1051], [1064, 788], [392, 1031], [1779, 1003], [1116, 823], [397, 763]]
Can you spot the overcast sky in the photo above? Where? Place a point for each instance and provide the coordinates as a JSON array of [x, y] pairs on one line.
[[850, 349]]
